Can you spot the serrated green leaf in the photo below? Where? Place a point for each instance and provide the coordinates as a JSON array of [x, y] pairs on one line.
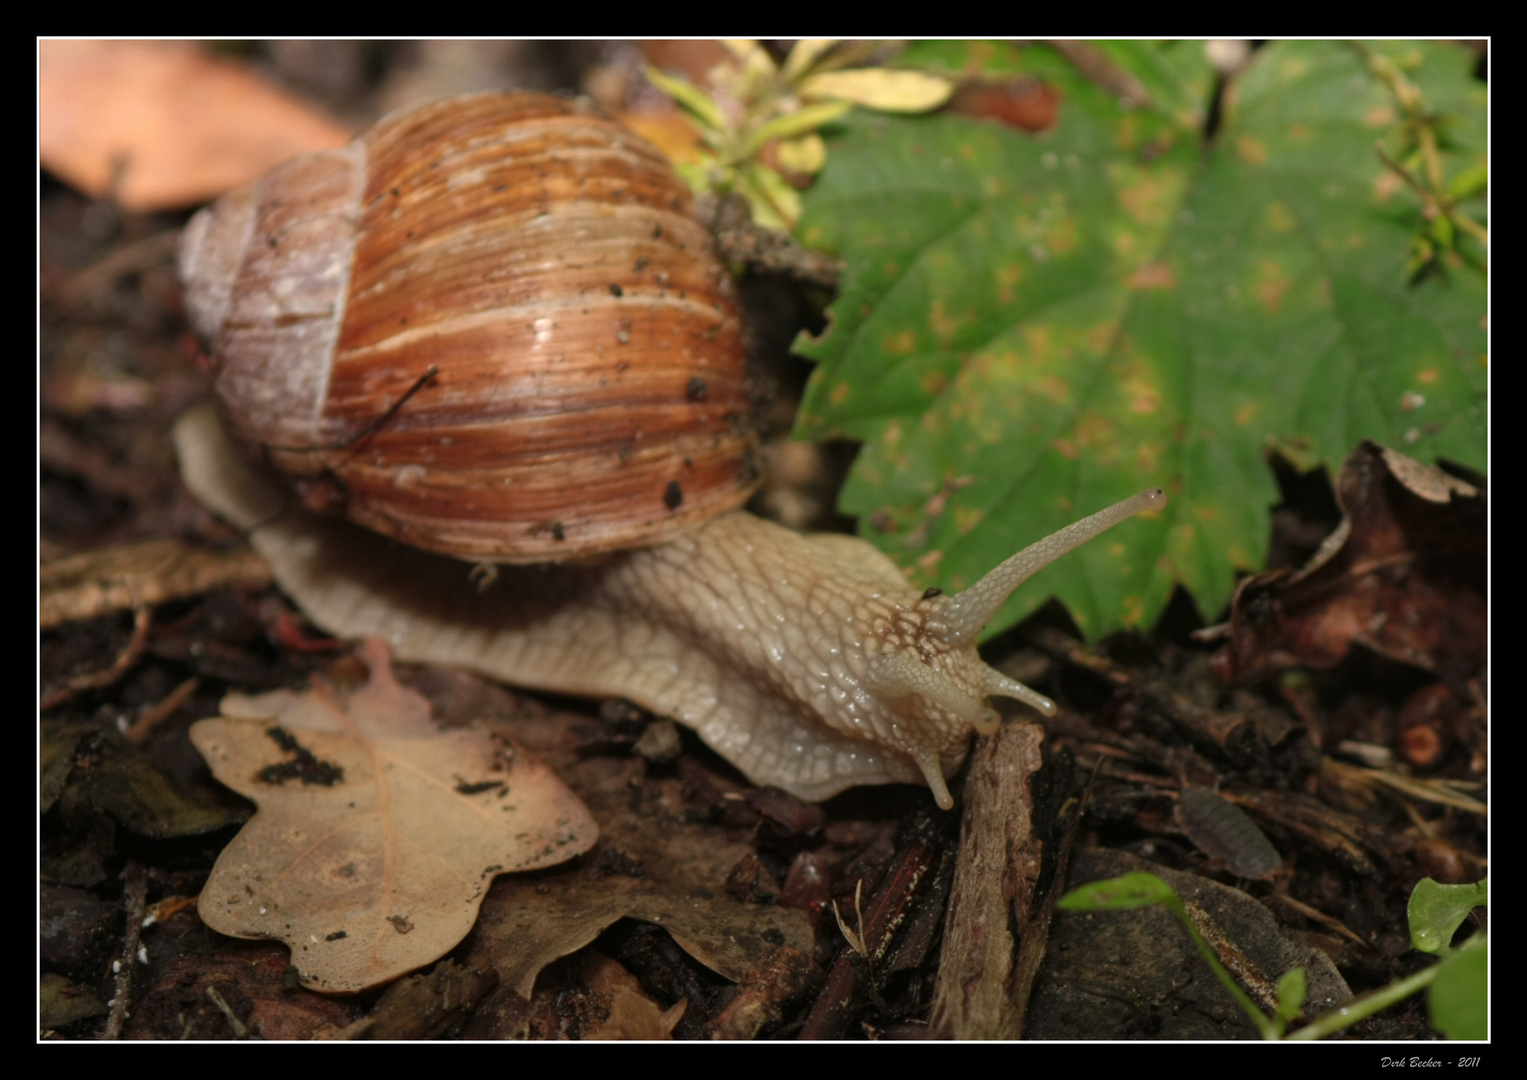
[[1029, 329], [989, 59], [1176, 74]]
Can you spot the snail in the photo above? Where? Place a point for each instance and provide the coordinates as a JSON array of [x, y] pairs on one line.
[[367, 310]]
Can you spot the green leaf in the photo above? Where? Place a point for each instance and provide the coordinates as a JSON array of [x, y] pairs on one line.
[[987, 59], [1437, 911], [1176, 75], [1031, 328], [1126, 891], [803, 56], [1469, 184], [1292, 990], [1459, 998], [689, 97], [801, 122]]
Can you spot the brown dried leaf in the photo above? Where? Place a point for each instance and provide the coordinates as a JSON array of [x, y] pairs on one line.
[[378, 832], [159, 125], [1403, 575], [653, 865], [1138, 975]]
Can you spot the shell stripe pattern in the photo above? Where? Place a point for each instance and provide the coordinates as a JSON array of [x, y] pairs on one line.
[[544, 259]]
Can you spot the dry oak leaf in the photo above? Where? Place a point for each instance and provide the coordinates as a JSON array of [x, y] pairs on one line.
[[378, 832]]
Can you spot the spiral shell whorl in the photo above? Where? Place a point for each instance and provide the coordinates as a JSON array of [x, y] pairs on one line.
[[591, 392]]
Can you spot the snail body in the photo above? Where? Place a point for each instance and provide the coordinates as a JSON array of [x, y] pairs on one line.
[[806, 661]]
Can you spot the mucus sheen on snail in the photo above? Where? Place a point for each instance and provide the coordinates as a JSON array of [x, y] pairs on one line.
[[541, 258]]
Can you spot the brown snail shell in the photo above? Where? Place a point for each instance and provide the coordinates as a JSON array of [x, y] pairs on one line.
[[591, 391]]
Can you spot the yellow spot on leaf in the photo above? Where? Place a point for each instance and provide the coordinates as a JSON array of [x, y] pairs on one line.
[[1093, 430], [1146, 197], [1039, 338], [967, 518], [1251, 150], [893, 433], [1052, 388], [1428, 376], [1127, 135], [900, 343], [1298, 131], [1154, 276], [1386, 184], [1279, 220], [1379, 116], [1273, 287], [1061, 237], [1133, 613], [1100, 337], [928, 561], [945, 325], [1246, 412], [1145, 400], [1007, 277], [839, 394], [933, 383], [1065, 448]]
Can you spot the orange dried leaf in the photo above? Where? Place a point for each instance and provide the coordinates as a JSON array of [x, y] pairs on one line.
[[378, 832], [160, 125]]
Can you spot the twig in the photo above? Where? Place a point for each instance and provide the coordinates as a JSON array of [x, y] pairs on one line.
[[96, 583], [134, 892], [140, 728], [142, 617]]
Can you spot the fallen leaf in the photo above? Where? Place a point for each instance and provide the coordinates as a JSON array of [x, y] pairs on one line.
[[1136, 974], [159, 125], [98, 767], [618, 1007], [654, 863], [378, 832], [1403, 574]]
